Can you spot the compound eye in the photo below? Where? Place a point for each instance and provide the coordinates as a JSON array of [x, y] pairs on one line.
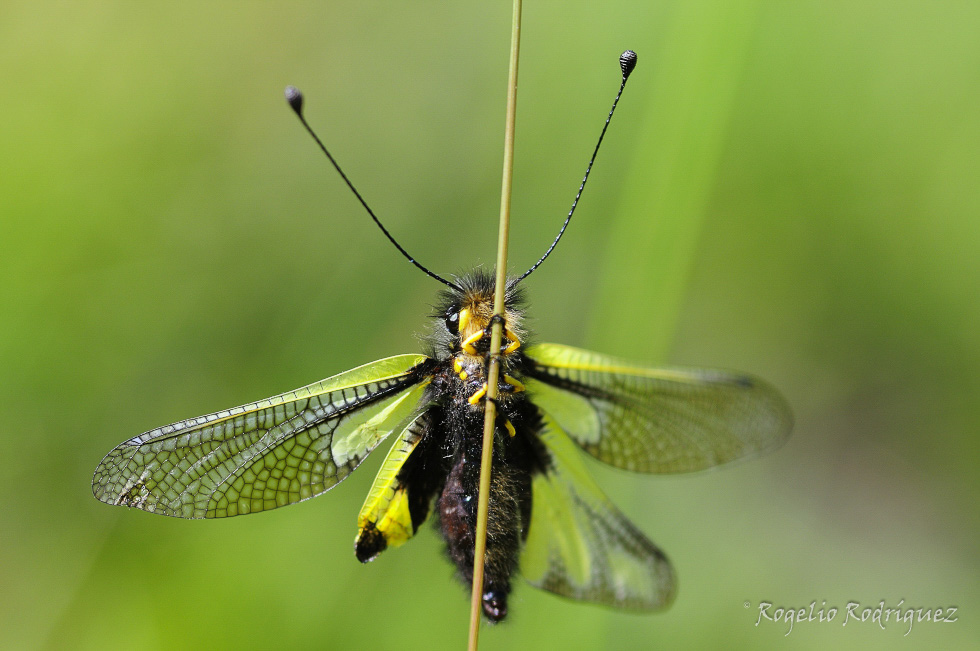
[[452, 322]]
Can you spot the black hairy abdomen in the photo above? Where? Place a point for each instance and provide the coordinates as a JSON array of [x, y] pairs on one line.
[[452, 454]]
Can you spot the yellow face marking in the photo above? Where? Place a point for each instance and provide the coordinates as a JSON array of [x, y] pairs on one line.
[[464, 319], [476, 315], [476, 397], [463, 375], [510, 428], [457, 365], [467, 344]]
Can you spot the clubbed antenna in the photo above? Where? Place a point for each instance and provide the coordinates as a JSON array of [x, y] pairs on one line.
[[627, 61], [295, 99]]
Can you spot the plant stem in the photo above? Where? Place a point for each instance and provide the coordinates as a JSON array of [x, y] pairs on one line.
[[496, 334]]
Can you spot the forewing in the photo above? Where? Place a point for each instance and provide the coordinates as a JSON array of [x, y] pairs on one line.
[[580, 546], [658, 420], [266, 454]]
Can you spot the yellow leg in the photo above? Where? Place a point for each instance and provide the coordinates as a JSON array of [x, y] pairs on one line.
[[515, 343], [467, 344], [478, 396], [514, 383]]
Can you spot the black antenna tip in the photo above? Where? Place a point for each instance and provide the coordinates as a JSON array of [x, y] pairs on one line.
[[295, 99], [627, 61]]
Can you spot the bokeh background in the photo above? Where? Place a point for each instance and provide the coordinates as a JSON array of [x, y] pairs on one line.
[[789, 188]]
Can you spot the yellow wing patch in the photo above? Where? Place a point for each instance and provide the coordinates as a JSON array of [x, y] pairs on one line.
[[385, 519]]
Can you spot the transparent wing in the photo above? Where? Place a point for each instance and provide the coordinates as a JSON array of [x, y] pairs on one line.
[[657, 420], [580, 546], [267, 454]]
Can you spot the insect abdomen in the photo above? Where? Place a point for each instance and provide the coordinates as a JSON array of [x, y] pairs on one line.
[[510, 495]]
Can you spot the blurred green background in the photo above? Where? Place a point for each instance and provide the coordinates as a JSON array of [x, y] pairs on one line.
[[789, 188]]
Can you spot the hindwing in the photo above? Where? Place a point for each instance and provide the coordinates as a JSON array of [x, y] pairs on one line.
[[579, 545], [386, 519]]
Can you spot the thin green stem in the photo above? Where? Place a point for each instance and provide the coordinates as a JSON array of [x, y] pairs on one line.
[[496, 334]]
